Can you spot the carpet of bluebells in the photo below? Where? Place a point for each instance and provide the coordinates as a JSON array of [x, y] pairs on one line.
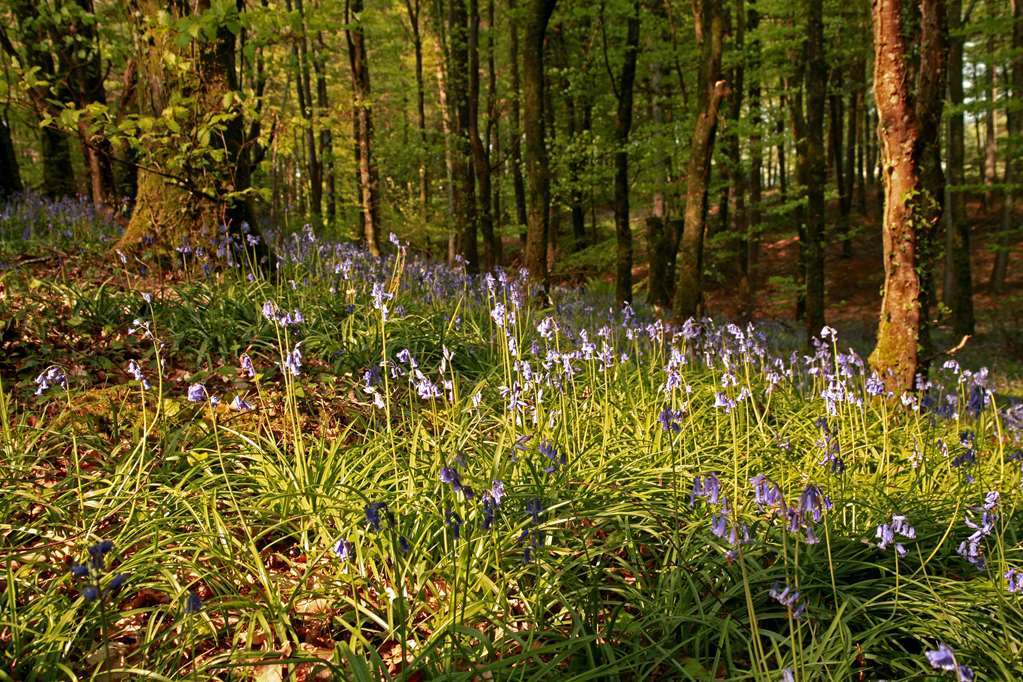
[[360, 468]]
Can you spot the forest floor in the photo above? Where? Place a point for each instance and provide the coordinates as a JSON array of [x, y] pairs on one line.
[[853, 286]]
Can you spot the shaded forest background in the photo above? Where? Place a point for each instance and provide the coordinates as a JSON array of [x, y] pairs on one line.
[[702, 156]]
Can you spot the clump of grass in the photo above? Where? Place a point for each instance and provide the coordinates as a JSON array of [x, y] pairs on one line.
[[414, 471]]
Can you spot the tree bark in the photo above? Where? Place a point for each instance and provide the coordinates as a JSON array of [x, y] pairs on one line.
[[709, 29], [750, 255], [537, 16], [958, 289], [480, 154], [413, 8], [1014, 164], [623, 126], [911, 175], [10, 176], [514, 124], [816, 168], [368, 181]]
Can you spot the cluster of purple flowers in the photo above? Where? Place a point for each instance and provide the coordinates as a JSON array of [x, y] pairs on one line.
[[972, 548], [887, 532]]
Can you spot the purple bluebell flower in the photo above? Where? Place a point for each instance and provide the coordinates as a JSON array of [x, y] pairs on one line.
[[193, 604], [239, 404], [534, 507], [247, 366], [372, 511], [707, 487], [51, 376], [789, 598], [453, 521], [766, 493], [1014, 580], [293, 361], [944, 658], [344, 549], [90, 593], [550, 451], [136, 372], [670, 419], [197, 393]]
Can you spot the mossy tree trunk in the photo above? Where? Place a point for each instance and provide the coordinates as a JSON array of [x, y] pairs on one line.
[[171, 209], [909, 125]]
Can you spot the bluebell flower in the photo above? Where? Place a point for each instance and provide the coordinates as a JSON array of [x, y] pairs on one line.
[[707, 487], [404, 545], [944, 658], [788, 598], [718, 524], [787, 675], [1014, 580], [246, 365], [534, 507], [344, 549], [117, 582], [453, 521], [450, 475], [197, 393], [293, 361], [90, 593], [550, 451], [79, 571], [372, 511], [136, 373], [497, 491], [51, 376], [766, 493], [98, 552], [670, 419], [193, 604], [812, 502], [240, 404]]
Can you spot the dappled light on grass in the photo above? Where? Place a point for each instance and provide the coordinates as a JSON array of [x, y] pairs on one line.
[[384, 468]]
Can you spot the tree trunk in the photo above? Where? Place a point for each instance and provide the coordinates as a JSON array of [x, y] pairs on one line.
[[958, 289], [368, 182], [537, 16], [1014, 163], [413, 8], [480, 154], [909, 131], [750, 255], [816, 178], [514, 124], [623, 126], [303, 86], [171, 209], [10, 176], [709, 29], [326, 136]]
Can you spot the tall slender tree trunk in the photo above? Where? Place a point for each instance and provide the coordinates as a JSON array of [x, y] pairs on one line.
[[514, 124], [303, 85], [912, 178], [480, 154], [458, 97], [709, 29], [326, 136], [1013, 162], [413, 8], [838, 114], [958, 285], [368, 181], [751, 252], [623, 126], [537, 16]]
